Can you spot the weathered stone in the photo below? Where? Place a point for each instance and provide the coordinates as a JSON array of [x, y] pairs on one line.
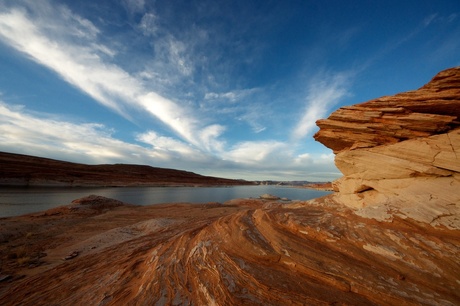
[[267, 196], [400, 155], [432, 109]]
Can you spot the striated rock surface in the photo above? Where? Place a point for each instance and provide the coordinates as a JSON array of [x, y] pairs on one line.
[[245, 252], [432, 109], [400, 155]]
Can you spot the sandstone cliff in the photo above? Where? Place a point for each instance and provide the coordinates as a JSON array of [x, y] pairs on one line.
[[400, 155]]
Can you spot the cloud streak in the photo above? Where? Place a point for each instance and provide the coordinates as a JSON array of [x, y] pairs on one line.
[[324, 91], [82, 64]]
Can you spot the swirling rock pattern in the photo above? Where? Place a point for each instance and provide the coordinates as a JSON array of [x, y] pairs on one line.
[[247, 252]]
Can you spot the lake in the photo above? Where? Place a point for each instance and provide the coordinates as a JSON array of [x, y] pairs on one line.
[[16, 201]]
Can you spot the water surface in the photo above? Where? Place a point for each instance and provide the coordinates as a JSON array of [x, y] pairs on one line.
[[16, 201]]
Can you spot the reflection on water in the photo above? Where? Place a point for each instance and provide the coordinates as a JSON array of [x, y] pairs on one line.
[[16, 201]]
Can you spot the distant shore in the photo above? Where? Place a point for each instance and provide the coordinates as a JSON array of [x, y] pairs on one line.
[[320, 186]]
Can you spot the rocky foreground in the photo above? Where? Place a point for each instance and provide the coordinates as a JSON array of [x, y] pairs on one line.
[[246, 252], [390, 235]]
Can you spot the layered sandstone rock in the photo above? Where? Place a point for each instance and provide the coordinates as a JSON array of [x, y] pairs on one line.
[[430, 110], [401, 154]]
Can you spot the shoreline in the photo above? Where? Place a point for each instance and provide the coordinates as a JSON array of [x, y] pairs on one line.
[[35, 199]]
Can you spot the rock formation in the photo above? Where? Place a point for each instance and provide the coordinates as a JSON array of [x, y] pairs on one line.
[[398, 165], [245, 252], [401, 154]]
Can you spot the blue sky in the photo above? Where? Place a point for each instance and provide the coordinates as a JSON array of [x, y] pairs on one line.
[[223, 88]]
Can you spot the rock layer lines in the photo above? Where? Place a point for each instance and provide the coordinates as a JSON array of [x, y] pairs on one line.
[[430, 110], [247, 252], [401, 154]]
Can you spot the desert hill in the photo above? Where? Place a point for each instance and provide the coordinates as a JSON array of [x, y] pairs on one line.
[[25, 170], [389, 235]]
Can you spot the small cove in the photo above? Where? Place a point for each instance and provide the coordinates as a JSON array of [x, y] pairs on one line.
[[16, 201]]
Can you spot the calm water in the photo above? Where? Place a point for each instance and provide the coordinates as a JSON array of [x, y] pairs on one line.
[[16, 201]]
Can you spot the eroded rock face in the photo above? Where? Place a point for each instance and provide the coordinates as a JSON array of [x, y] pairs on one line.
[[430, 110], [401, 154]]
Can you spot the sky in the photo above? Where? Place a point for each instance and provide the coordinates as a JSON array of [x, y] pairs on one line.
[[221, 88]]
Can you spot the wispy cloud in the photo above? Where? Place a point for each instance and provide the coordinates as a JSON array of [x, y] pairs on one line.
[[51, 137], [43, 135], [230, 96], [148, 24], [241, 104], [255, 152], [82, 64], [324, 91], [134, 6]]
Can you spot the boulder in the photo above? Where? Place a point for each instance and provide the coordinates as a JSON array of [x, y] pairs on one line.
[[267, 196]]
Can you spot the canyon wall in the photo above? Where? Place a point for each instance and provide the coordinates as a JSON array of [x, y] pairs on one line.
[[400, 155]]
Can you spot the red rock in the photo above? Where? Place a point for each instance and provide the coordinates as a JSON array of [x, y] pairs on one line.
[[433, 109], [244, 253]]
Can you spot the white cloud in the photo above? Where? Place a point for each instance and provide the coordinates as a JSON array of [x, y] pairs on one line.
[[231, 96], [148, 24], [51, 137], [241, 105], [42, 135], [209, 137], [429, 19], [324, 91], [81, 65], [255, 152], [134, 6], [77, 64], [170, 147]]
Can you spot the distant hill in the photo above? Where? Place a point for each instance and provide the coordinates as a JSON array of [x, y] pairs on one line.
[[26, 170]]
